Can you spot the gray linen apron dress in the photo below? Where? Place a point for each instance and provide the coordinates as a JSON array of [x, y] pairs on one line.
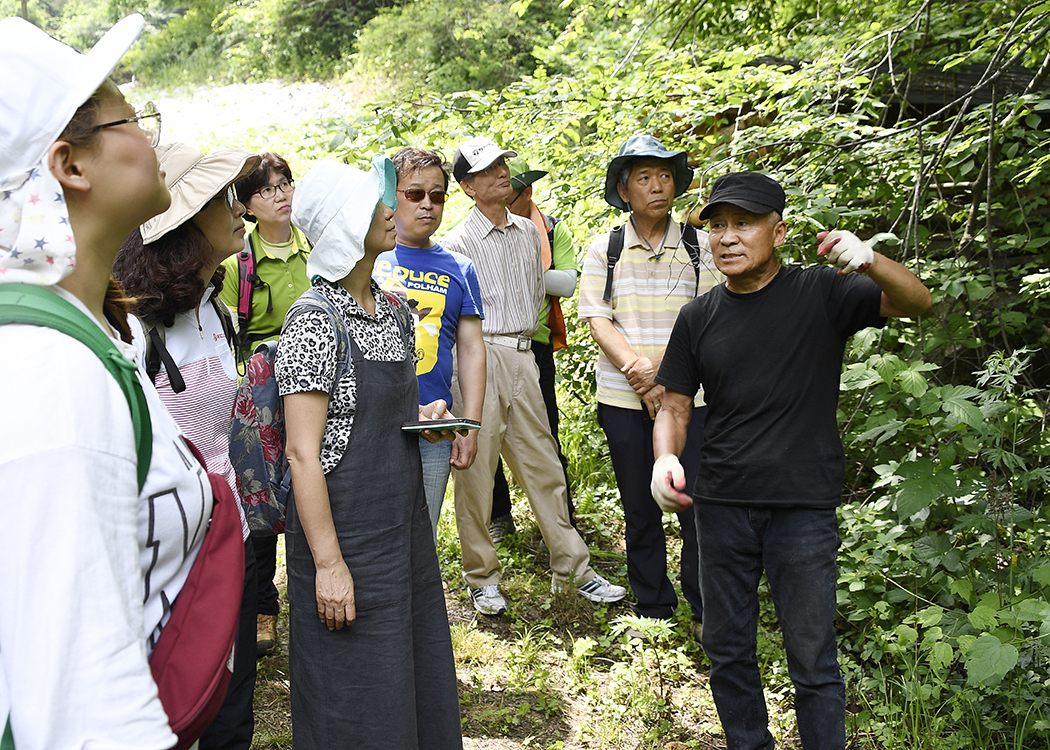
[[389, 680]]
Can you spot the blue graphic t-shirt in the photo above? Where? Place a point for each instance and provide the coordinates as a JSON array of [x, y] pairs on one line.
[[440, 286]]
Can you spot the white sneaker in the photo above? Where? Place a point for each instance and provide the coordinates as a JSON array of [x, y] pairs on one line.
[[600, 590], [488, 600]]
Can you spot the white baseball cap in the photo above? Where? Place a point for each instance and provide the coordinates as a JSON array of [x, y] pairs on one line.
[[44, 82], [476, 155]]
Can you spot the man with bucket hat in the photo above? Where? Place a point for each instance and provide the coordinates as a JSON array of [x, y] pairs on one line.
[[635, 279], [767, 346], [505, 250], [559, 280]]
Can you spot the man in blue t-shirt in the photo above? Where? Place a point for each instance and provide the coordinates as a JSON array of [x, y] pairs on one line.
[[442, 290], [767, 346]]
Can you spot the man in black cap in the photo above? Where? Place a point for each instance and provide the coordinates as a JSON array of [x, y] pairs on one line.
[[768, 346]]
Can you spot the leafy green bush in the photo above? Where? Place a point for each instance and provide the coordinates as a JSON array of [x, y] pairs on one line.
[[443, 46], [182, 47]]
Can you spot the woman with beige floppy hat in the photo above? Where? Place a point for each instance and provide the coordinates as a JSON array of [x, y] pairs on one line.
[[172, 267], [370, 652], [93, 549]]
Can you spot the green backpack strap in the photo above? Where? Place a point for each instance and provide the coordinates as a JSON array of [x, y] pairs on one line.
[[33, 305]]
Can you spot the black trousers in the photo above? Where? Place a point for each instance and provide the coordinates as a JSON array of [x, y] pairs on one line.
[[544, 354], [629, 433], [235, 724], [266, 565]]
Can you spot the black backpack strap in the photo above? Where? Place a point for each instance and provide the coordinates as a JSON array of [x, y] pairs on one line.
[[226, 320], [404, 319], [33, 305], [316, 299], [612, 257], [553, 221], [691, 240], [157, 353]]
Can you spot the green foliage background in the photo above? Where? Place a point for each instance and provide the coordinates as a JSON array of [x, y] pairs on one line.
[[921, 125]]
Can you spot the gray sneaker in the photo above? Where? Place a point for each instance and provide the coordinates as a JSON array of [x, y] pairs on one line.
[[697, 629], [501, 527], [488, 600], [599, 590]]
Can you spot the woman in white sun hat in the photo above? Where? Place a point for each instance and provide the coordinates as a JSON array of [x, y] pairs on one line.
[[92, 549], [370, 652], [172, 267]]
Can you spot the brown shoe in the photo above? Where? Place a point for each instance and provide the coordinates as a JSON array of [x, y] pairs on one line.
[[265, 635]]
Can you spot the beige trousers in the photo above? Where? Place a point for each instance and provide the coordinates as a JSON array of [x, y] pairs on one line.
[[514, 425]]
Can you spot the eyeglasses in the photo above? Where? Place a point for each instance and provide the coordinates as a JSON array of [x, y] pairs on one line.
[[152, 131], [229, 195], [268, 192], [500, 162], [416, 195]]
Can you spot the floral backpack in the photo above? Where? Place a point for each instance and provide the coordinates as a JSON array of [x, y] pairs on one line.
[[257, 435]]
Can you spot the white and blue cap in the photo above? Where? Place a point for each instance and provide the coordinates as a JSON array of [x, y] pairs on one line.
[[333, 207]]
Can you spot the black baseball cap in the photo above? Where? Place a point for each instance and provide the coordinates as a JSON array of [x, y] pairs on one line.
[[750, 191]]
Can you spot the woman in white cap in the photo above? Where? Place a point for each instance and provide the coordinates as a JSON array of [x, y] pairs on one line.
[[172, 267], [93, 549], [370, 650]]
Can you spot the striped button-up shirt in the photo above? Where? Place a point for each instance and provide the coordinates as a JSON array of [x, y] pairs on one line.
[[648, 291], [507, 262]]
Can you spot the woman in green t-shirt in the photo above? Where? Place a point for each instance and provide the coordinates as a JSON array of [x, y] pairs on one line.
[[262, 283]]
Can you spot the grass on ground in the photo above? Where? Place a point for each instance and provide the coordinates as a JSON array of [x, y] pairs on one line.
[[557, 671]]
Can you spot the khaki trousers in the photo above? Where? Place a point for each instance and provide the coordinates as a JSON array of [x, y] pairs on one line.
[[514, 425]]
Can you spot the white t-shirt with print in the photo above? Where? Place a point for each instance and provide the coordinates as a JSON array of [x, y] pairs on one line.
[[88, 567]]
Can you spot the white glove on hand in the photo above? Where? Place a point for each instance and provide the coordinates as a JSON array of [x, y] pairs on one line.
[[668, 483], [846, 250]]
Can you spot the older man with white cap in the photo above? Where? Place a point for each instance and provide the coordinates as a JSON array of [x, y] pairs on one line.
[[505, 250], [558, 259]]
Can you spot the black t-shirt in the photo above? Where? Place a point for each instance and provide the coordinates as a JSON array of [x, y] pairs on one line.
[[770, 364]]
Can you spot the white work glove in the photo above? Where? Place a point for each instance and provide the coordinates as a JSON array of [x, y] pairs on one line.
[[846, 250], [668, 483]]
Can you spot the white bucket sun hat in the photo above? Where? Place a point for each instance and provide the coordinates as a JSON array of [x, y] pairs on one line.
[[333, 207]]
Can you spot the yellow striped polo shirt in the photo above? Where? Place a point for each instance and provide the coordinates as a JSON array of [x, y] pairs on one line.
[[648, 290]]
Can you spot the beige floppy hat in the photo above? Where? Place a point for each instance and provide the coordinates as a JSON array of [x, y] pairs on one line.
[[194, 179]]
